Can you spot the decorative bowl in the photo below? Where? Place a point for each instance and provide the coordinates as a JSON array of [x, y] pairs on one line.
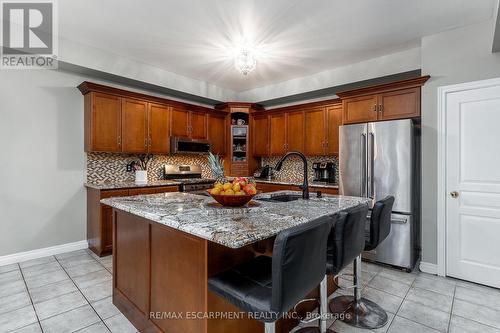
[[232, 200]]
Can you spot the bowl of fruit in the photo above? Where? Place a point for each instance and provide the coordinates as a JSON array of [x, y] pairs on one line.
[[234, 194]]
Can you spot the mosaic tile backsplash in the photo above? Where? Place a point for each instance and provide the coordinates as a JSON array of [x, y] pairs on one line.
[[108, 167], [292, 171]]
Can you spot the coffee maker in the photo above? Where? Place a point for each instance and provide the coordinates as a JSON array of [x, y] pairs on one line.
[[324, 172]]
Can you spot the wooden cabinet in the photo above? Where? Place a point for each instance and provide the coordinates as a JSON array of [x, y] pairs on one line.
[[399, 104], [398, 100], [295, 131], [122, 121], [179, 122], [159, 128], [100, 217], [333, 123], [216, 132], [277, 134], [102, 122], [315, 131], [360, 109], [322, 130], [134, 126], [198, 125], [270, 187], [260, 134], [188, 124]]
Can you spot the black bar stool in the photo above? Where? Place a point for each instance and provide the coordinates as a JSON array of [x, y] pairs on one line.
[[269, 287], [358, 311]]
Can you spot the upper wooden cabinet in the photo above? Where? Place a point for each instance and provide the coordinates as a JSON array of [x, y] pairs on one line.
[[333, 123], [360, 109], [315, 131], [159, 128], [217, 132], [277, 134], [198, 125], [179, 121], [102, 122], [189, 124], [260, 134], [322, 129], [134, 126], [295, 131], [396, 100], [117, 120]]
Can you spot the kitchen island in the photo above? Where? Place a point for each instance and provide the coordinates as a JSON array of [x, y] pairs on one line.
[[167, 245]]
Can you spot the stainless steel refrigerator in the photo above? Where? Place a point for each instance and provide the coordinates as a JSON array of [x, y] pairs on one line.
[[379, 159]]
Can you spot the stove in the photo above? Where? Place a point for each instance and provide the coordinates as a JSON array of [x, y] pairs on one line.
[[189, 176]]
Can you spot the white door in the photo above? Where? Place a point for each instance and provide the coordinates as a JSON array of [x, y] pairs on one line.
[[473, 183]]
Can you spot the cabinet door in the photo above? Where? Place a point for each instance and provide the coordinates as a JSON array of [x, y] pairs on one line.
[[295, 131], [159, 127], [107, 228], [315, 131], [360, 109], [400, 104], [198, 125], [105, 123], [333, 122], [277, 134], [216, 129], [134, 126], [179, 122], [260, 135]]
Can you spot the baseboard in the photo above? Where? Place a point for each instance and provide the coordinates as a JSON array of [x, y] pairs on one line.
[[429, 268], [40, 253]]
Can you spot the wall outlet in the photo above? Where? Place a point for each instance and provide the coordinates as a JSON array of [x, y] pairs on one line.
[[130, 166]]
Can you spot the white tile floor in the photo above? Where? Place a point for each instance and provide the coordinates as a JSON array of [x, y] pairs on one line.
[[71, 292]]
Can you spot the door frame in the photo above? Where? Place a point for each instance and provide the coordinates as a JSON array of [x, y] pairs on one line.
[[442, 156]]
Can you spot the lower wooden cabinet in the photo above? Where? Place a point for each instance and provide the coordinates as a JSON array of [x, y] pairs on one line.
[[269, 187], [100, 217]]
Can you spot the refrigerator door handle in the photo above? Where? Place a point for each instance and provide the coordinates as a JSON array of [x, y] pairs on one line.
[[371, 161], [363, 166]]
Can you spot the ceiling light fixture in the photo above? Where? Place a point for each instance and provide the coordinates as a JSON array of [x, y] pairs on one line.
[[245, 60]]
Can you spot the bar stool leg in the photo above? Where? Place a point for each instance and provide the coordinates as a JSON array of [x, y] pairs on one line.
[[323, 311], [357, 311], [269, 328]]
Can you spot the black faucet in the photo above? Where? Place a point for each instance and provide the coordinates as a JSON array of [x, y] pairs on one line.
[[305, 184]]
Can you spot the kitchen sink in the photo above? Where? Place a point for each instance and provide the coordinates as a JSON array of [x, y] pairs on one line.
[[282, 198]]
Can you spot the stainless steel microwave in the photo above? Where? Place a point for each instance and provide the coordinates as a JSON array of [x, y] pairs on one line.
[[180, 145]]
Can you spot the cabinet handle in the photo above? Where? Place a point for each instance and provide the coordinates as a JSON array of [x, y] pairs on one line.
[[119, 139], [375, 107], [145, 142], [150, 141], [381, 108]]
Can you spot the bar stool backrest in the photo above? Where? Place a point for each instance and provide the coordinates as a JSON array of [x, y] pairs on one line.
[[347, 238], [299, 262], [380, 222]]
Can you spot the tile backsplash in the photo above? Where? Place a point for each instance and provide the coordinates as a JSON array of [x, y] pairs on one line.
[[292, 169], [109, 167]]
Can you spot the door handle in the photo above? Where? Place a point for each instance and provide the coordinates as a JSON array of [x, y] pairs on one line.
[[454, 194], [363, 166], [371, 183]]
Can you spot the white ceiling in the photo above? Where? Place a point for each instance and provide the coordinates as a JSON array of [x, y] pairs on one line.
[[294, 38]]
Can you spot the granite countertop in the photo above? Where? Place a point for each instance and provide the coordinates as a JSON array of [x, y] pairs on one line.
[[129, 184], [311, 184], [232, 227]]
